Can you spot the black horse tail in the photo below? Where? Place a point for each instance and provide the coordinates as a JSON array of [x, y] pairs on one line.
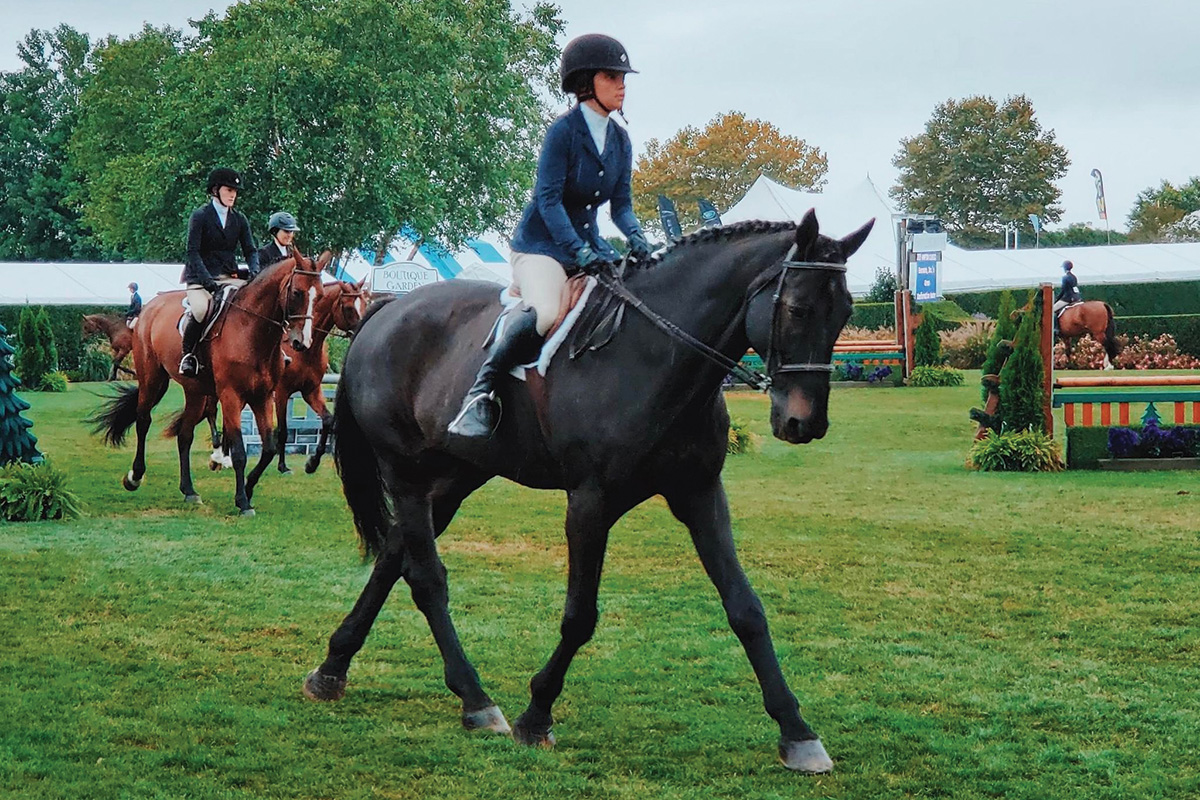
[[361, 482], [116, 417], [1111, 345]]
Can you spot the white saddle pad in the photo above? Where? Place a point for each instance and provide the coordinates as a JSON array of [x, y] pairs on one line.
[[554, 342]]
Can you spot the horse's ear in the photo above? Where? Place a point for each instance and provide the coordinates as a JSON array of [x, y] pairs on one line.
[[851, 243], [806, 232], [324, 259]]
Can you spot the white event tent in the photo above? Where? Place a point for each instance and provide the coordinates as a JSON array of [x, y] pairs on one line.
[[839, 213]]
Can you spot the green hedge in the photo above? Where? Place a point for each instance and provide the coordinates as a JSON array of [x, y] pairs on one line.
[[1086, 446], [66, 322], [873, 315], [1126, 299], [1185, 328]]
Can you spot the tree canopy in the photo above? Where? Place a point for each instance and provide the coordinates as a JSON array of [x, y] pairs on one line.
[[1166, 213], [38, 107], [720, 163], [362, 117], [979, 165]]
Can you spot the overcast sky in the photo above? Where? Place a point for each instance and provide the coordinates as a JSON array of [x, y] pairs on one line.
[[1118, 82]]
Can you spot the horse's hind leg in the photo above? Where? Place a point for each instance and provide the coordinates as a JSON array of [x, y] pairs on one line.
[[705, 511], [219, 459], [281, 415], [316, 401], [149, 393]]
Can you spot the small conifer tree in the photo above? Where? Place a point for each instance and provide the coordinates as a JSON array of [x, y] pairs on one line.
[[1021, 389], [16, 441]]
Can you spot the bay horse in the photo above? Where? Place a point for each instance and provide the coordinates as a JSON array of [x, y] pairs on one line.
[[1094, 317], [245, 363], [643, 416], [120, 338], [341, 306]]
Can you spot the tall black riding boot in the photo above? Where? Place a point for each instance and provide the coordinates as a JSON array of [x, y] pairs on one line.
[[189, 365], [518, 343]]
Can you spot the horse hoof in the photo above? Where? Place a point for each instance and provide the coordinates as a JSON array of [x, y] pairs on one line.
[[486, 719], [806, 756], [129, 482], [193, 499], [215, 466], [311, 465], [324, 688], [247, 512], [285, 472], [530, 738]]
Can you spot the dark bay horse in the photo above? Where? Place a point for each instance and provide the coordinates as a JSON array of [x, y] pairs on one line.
[[643, 416], [120, 338], [1094, 317], [245, 365], [341, 306]]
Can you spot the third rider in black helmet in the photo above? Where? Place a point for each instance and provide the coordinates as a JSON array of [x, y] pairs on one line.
[[586, 161]]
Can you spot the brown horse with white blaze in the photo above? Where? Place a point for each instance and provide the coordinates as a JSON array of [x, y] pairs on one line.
[[246, 365], [340, 307]]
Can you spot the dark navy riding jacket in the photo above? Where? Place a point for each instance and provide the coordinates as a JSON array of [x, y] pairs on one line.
[[573, 180], [1070, 289], [210, 248], [135, 306]]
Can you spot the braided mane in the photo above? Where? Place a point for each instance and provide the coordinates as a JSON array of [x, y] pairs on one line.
[[721, 233]]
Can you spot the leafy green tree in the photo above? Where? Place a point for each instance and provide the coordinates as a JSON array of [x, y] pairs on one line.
[[1080, 234], [1158, 211], [363, 117], [979, 165], [1021, 389], [883, 290], [39, 105], [720, 163]]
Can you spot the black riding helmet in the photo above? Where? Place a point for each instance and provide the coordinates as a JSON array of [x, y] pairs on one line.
[[223, 176], [592, 52]]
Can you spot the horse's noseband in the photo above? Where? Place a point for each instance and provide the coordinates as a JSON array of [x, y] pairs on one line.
[[774, 368]]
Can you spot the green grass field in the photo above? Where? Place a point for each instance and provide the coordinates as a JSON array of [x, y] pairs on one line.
[[948, 633]]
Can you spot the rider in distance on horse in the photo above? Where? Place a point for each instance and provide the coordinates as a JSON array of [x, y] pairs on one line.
[[214, 230], [283, 228], [586, 161], [1069, 293], [135, 305]]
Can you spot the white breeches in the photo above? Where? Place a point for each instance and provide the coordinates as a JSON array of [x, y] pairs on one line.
[[540, 280], [199, 300]]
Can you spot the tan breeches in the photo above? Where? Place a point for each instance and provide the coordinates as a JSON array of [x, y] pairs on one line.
[[199, 300], [540, 279]]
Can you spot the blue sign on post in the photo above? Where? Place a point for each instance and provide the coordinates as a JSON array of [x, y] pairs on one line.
[[927, 277]]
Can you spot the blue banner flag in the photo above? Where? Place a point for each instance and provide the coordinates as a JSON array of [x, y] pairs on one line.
[[670, 220], [709, 217]]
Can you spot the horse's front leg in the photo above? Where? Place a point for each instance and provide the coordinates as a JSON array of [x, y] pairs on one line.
[[587, 539], [705, 512], [264, 411], [316, 401], [231, 426]]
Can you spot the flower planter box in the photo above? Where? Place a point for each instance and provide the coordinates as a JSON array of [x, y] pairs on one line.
[[1147, 464]]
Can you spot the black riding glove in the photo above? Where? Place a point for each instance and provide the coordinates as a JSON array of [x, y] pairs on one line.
[[589, 261], [211, 286], [639, 247]]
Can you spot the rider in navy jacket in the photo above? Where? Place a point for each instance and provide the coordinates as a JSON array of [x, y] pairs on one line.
[[573, 181], [586, 161]]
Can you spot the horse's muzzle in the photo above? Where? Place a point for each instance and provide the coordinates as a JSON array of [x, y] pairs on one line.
[[798, 418], [298, 344]]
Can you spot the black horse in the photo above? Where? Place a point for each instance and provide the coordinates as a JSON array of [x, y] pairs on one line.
[[640, 417]]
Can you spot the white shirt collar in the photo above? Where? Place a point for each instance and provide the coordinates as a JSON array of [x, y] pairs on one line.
[[283, 250], [222, 211], [597, 124]]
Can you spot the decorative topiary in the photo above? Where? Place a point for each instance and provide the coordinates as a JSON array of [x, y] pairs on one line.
[[1021, 389], [927, 348], [1005, 330], [16, 442]]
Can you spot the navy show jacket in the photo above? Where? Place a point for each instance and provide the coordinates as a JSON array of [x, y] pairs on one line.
[[210, 248], [573, 180]]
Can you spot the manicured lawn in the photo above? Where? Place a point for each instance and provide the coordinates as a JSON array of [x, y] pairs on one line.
[[948, 633]]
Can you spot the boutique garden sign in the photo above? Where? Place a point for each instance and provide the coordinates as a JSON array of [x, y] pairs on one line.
[[401, 277]]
